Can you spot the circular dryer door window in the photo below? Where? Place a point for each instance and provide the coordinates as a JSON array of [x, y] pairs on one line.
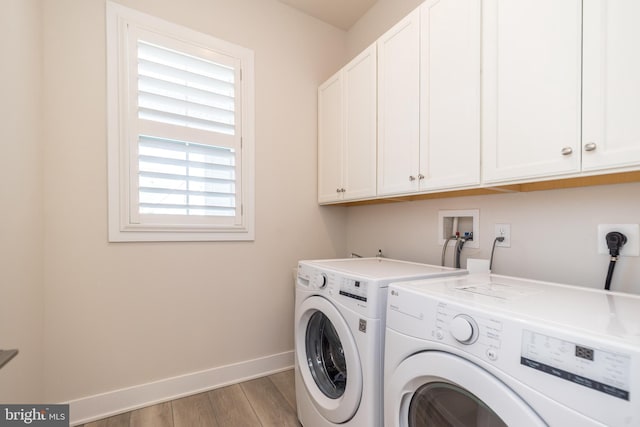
[[438, 389], [325, 356], [443, 404]]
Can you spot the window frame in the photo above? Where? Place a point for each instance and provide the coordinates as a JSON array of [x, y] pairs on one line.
[[125, 223]]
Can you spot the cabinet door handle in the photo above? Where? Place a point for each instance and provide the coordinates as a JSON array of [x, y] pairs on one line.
[[412, 178], [566, 151], [420, 176], [591, 146]]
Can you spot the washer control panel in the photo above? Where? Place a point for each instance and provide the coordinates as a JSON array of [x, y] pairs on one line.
[[476, 330], [356, 289], [360, 294]]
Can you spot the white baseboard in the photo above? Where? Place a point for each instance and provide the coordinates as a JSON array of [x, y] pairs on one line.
[[111, 403]]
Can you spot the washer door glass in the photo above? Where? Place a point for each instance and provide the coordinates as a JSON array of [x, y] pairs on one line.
[[325, 356], [440, 404]]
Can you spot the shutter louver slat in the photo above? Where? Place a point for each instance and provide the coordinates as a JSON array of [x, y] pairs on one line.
[[180, 120]]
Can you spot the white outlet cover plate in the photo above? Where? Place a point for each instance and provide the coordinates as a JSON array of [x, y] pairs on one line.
[[503, 230], [631, 231]]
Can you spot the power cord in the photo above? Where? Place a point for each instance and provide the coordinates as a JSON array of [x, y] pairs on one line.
[[615, 241], [496, 240]]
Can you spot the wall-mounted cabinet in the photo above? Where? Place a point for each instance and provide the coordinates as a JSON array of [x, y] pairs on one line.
[[561, 92], [531, 88], [560, 100], [347, 131], [398, 106], [429, 99], [611, 85], [449, 94]]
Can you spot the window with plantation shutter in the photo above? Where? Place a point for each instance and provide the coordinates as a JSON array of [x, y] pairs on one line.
[[180, 132]]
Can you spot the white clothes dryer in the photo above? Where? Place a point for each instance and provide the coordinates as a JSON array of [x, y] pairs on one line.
[[339, 337], [487, 350]]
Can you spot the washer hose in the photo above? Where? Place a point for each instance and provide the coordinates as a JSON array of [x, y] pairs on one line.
[[444, 248]]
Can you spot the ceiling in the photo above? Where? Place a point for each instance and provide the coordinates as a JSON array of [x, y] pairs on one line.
[[339, 13]]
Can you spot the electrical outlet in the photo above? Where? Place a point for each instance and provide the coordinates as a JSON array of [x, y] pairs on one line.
[[503, 230], [632, 233]]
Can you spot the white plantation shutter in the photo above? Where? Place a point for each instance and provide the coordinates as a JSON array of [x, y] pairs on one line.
[[180, 96], [177, 92], [182, 90]]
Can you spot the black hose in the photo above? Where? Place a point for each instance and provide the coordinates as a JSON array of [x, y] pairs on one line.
[[612, 265], [496, 240], [459, 245]]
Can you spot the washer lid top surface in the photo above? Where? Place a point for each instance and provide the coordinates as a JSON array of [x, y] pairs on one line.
[[383, 269]]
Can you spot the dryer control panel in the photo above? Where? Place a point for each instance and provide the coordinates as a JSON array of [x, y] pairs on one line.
[[598, 369]]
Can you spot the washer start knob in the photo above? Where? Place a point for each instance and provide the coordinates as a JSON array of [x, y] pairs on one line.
[[323, 281], [464, 329]]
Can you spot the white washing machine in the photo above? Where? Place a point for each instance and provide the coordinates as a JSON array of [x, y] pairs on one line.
[[339, 337], [487, 350]]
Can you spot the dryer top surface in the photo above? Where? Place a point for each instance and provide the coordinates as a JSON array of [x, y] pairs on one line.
[[564, 307], [382, 269]]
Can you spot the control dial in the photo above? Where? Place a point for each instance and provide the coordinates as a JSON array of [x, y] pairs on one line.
[[322, 283], [464, 329]]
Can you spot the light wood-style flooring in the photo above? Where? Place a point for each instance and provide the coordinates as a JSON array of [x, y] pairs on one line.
[[263, 402]]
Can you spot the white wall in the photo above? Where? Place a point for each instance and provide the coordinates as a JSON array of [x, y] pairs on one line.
[[125, 314], [553, 233], [21, 256]]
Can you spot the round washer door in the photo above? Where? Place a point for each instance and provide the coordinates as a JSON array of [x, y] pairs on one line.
[[439, 389], [328, 359]]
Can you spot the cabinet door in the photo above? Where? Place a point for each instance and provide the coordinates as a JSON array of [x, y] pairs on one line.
[[330, 140], [398, 106], [449, 93], [531, 88], [359, 77], [611, 78]]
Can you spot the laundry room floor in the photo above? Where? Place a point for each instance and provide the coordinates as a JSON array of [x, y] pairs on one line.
[[264, 402]]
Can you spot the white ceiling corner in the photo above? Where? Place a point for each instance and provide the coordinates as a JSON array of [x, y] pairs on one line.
[[339, 13]]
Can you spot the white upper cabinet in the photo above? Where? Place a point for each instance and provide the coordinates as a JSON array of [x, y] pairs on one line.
[[468, 94], [398, 106], [330, 157], [429, 99], [611, 76], [360, 126], [347, 132], [531, 88], [449, 94]]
